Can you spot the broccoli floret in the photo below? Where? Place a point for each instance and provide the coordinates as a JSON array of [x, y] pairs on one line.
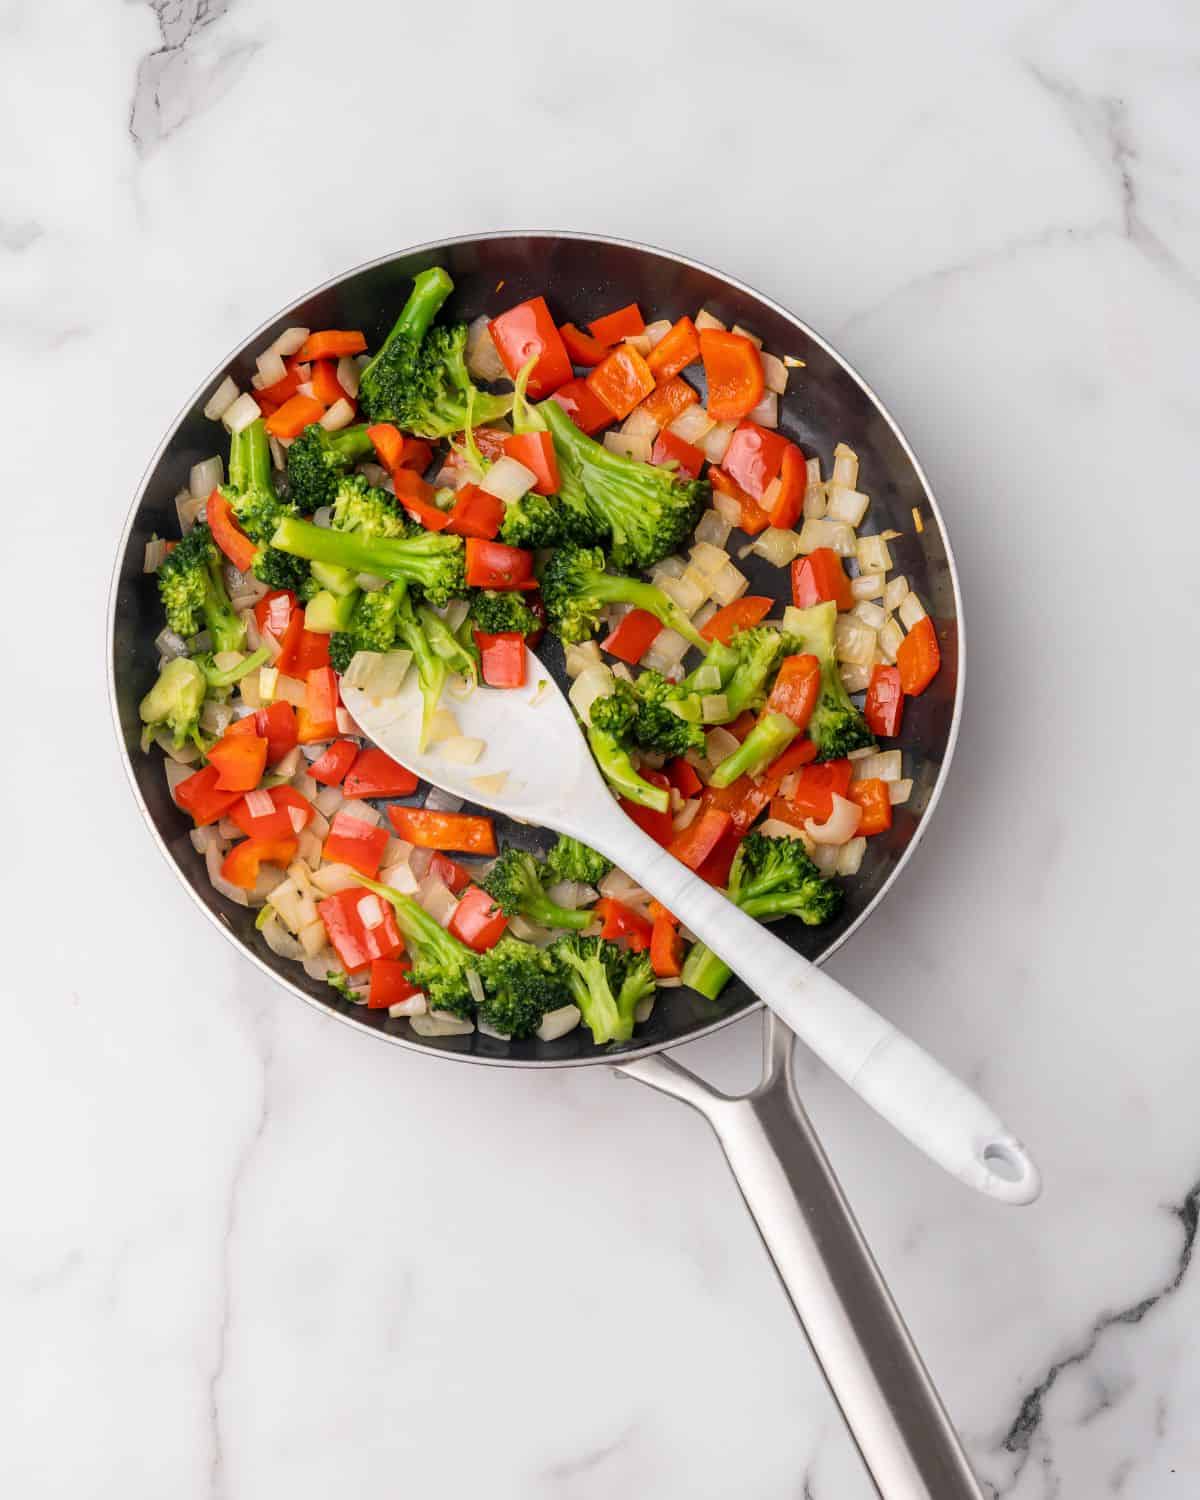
[[192, 587], [219, 679], [532, 521], [569, 859], [515, 884], [440, 963], [836, 727], [367, 510], [419, 379], [318, 459], [576, 588], [279, 570], [644, 510], [340, 982], [174, 703], [769, 878], [603, 983], [521, 983], [372, 626], [770, 737], [258, 508], [458, 654], [639, 715], [637, 985], [431, 561], [496, 611], [758, 651], [618, 770]]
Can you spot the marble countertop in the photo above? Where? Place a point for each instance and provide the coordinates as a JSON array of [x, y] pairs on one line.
[[245, 1252]]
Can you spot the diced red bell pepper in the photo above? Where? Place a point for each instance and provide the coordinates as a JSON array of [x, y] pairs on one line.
[[633, 635], [449, 872], [621, 921], [583, 406], [271, 397], [740, 615], [668, 400], [884, 708], [468, 833], [669, 447], [697, 841], [796, 689], [352, 842], [241, 865], [743, 724], [678, 348], [475, 513], [317, 720], [733, 369], [240, 760], [666, 946], [754, 457], [919, 657], [477, 920], [290, 420], [417, 499], [536, 451], [502, 658], [228, 534], [526, 331], [277, 724], [626, 322], [656, 824], [753, 518], [683, 777], [389, 984], [621, 380], [492, 565], [274, 611], [742, 799], [356, 944], [799, 753], [814, 792], [716, 867], [793, 481], [325, 385], [300, 650], [818, 578], [582, 347], [376, 774], [876, 803], [332, 343], [200, 796], [290, 812], [396, 451], [330, 767]]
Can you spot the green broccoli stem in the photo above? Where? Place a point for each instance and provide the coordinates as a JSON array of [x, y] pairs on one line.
[[227, 630], [618, 770], [431, 668], [250, 458], [425, 938], [457, 656], [770, 737], [410, 558], [429, 290], [215, 678], [350, 444], [546, 913], [612, 588], [704, 972], [589, 983]]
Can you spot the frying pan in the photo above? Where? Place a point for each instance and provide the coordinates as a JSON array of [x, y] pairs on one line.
[[856, 1332]]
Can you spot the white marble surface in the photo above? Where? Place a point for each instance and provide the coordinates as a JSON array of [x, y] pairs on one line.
[[245, 1252]]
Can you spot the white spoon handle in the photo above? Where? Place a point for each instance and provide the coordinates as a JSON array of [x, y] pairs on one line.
[[900, 1081]]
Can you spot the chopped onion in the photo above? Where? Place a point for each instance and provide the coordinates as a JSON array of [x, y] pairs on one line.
[[328, 800], [850, 857], [322, 964], [835, 534], [455, 613], [693, 424], [169, 645], [729, 584], [774, 374], [271, 368], [339, 415], [290, 341], [884, 765], [176, 771], [889, 640], [846, 505], [689, 595], [686, 815], [348, 375], [746, 334], [297, 818], [713, 529], [853, 641], [776, 546], [278, 452], [241, 413], [556, 1023], [437, 898], [411, 1005], [190, 509], [657, 331], [370, 911], [291, 690], [280, 941], [313, 938], [215, 718], [483, 358], [334, 878], [441, 1023], [380, 674], [714, 708], [840, 826], [462, 750], [705, 319], [436, 800], [709, 558], [508, 480], [867, 586], [489, 786], [825, 857], [873, 555], [814, 501], [779, 828], [619, 887], [205, 476], [668, 650], [370, 583], [899, 791], [856, 678], [592, 683], [911, 611], [640, 423], [718, 440], [268, 683], [361, 812], [845, 466], [719, 745], [400, 877], [153, 556], [629, 445], [579, 657], [221, 400], [213, 859], [672, 566], [727, 508], [766, 412], [572, 894], [870, 614]]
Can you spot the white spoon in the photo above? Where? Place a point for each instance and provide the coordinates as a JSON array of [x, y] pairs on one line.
[[531, 734]]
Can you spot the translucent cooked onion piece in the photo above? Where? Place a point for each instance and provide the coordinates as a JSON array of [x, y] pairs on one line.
[[241, 413], [557, 1023], [592, 683], [841, 825], [508, 480], [221, 400]]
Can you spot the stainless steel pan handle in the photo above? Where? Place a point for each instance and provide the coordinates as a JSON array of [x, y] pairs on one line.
[[853, 1326]]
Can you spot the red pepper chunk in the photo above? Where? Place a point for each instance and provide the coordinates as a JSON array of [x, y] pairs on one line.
[[702, 835], [492, 565], [449, 872], [820, 577], [582, 347], [749, 610], [621, 921], [583, 406], [475, 513], [241, 865], [656, 824], [670, 448], [477, 920], [668, 400], [301, 650], [626, 322], [228, 534], [873, 797], [290, 813], [683, 777], [389, 984], [376, 774], [621, 380], [277, 724], [200, 796], [753, 518], [240, 760], [666, 946], [797, 688], [678, 348], [274, 611], [919, 657], [754, 457], [331, 767], [417, 499], [467, 833], [317, 720], [733, 369], [333, 343], [502, 658], [352, 842], [633, 635], [536, 451], [884, 708], [793, 481], [526, 332], [814, 792], [356, 944]]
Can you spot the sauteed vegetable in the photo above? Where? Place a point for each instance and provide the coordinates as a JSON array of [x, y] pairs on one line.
[[432, 508]]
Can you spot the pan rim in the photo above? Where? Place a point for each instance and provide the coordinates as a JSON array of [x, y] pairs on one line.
[[630, 1053]]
